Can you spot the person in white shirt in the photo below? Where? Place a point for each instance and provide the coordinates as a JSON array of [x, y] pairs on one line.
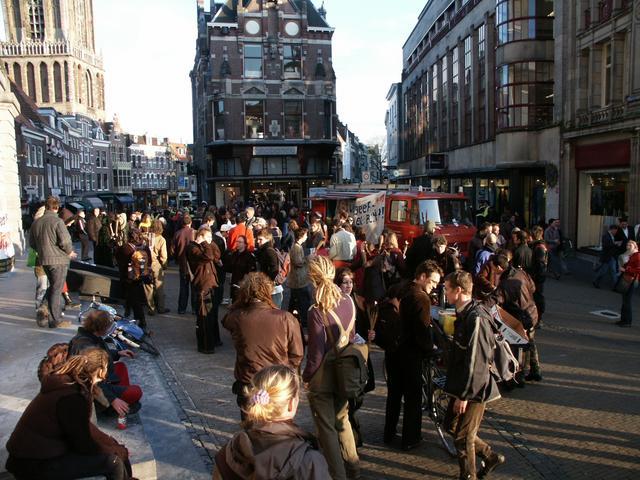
[[342, 245]]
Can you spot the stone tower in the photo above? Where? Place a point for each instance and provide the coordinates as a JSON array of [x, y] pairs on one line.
[[50, 53]]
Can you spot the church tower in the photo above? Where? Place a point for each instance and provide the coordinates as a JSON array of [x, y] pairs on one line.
[[50, 53]]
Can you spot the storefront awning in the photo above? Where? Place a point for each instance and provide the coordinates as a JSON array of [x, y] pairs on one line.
[[76, 206], [94, 202], [125, 199]]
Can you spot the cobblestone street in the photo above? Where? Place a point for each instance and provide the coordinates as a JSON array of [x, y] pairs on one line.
[[581, 422]]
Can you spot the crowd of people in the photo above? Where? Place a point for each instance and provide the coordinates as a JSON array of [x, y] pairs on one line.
[[339, 283]]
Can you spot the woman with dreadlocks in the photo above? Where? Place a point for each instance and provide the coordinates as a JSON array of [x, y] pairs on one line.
[[330, 411], [55, 439]]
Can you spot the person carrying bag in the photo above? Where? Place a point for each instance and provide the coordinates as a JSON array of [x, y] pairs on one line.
[[335, 369]]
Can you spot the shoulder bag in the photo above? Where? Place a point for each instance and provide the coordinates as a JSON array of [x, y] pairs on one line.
[[349, 360]]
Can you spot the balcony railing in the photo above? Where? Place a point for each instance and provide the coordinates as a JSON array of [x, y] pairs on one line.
[[21, 49], [602, 115]]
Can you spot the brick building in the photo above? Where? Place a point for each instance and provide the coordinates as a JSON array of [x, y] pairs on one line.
[[263, 100]]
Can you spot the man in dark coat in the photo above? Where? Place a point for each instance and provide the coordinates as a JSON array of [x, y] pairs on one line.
[[469, 379], [608, 256], [522, 254], [405, 366], [181, 240], [203, 255], [475, 245], [421, 249], [625, 233], [50, 238], [268, 263]]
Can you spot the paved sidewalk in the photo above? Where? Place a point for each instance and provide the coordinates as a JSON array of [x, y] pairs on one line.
[[581, 422], [159, 445]]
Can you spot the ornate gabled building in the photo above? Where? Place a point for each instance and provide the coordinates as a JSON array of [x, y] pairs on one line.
[[264, 101], [49, 52]]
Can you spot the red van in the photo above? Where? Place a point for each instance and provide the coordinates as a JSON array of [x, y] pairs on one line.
[[406, 211]]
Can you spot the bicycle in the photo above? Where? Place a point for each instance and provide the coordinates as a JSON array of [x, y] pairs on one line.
[[125, 332], [434, 399]]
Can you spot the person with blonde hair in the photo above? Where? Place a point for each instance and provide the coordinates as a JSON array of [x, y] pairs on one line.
[[330, 411], [262, 334], [55, 438], [159, 263], [270, 444]]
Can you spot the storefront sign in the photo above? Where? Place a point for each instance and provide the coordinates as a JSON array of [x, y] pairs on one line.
[[274, 151], [368, 213]]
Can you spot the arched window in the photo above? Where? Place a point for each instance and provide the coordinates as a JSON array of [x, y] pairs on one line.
[[17, 74], [31, 82], [79, 82], [57, 82], [44, 82], [89, 88], [67, 94]]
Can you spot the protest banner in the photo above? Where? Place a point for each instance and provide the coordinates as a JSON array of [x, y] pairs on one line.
[[368, 213]]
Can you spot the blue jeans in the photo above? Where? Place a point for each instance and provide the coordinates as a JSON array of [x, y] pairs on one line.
[[609, 267]]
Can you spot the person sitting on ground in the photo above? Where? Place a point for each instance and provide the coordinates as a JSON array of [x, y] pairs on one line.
[[262, 334], [271, 445], [55, 437], [123, 397]]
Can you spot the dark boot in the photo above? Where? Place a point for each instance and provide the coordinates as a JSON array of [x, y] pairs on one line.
[[490, 464]]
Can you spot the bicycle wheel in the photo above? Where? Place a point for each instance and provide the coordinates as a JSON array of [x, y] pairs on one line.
[[438, 403]]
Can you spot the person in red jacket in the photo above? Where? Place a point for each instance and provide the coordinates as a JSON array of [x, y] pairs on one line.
[[631, 272], [241, 230]]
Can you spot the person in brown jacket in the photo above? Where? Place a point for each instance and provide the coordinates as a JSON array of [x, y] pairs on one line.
[[202, 257], [159, 261], [94, 224], [55, 437], [181, 240], [270, 444], [262, 334]]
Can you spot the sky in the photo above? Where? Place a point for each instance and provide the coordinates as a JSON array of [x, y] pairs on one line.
[[148, 48]]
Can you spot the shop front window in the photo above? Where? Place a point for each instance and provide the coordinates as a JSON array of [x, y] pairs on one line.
[[609, 194]]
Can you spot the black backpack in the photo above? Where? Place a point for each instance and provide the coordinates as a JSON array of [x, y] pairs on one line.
[[388, 327]]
